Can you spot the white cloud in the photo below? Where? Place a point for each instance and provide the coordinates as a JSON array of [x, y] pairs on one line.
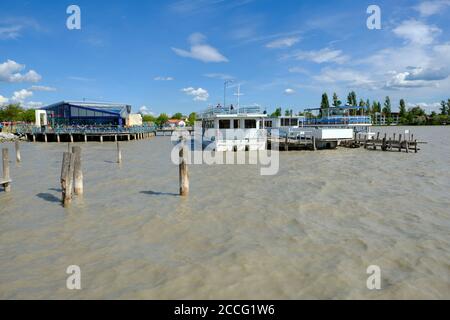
[[325, 55], [283, 43], [10, 72], [220, 76], [198, 94], [21, 95], [289, 91], [401, 80], [417, 32], [429, 8], [42, 88], [349, 77], [3, 100], [33, 105], [200, 50], [144, 110], [163, 78], [10, 32], [298, 70], [428, 107]]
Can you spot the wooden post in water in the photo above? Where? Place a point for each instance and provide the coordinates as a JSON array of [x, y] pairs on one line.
[[18, 157], [184, 174], [6, 177], [384, 145], [67, 178], [399, 143], [407, 145], [286, 143], [119, 153], [314, 143], [77, 171], [415, 146]]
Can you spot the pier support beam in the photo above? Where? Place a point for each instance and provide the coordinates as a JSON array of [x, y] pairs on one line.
[[6, 181], [67, 177], [119, 153], [77, 171], [184, 174], [71, 138], [101, 139], [45, 137], [18, 156], [58, 138], [34, 138], [85, 139]]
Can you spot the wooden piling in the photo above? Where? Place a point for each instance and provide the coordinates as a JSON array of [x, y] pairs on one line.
[[415, 146], [286, 143], [58, 138], [18, 156], [45, 137], [67, 177], [85, 139], [184, 174], [77, 171], [34, 138], [399, 143], [101, 139], [6, 181], [314, 144], [119, 153]]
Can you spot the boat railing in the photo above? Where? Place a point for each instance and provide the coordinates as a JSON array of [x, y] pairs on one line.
[[212, 111], [339, 120]]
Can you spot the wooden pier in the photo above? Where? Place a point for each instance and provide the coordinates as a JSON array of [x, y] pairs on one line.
[[395, 143], [88, 137], [5, 180]]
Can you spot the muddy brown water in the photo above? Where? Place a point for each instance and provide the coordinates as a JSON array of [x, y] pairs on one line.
[[308, 232]]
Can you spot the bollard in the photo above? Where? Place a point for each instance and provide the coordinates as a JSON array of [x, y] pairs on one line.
[[119, 153], [77, 171], [184, 174], [6, 176], [67, 178], [18, 157]]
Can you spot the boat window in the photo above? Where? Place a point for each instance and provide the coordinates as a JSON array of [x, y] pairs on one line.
[[224, 124], [236, 123], [250, 124], [268, 124]]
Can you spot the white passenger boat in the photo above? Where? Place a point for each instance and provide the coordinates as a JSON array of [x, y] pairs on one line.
[[234, 129]]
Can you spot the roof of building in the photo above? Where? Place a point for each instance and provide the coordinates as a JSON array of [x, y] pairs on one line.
[[108, 107]]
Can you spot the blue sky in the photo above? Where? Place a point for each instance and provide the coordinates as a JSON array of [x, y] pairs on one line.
[[169, 56]]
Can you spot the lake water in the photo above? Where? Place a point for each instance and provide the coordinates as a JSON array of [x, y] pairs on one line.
[[308, 232]]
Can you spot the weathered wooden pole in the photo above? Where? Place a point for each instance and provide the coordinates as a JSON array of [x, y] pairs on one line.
[[77, 171], [314, 143], [67, 178], [415, 146], [18, 157], [6, 176], [286, 143], [184, 174], [399, 143], [119, 153]]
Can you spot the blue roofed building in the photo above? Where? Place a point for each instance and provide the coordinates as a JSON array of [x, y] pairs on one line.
[[87, 113]]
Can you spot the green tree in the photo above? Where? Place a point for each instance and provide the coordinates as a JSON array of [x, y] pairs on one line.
[[325, 104], [148, 118], [277, 113], [177, 116], [192, 118], [162, 119], [369, 111], [403, 111], [387, 107], [29, 115], [444, 108], [336, 101]]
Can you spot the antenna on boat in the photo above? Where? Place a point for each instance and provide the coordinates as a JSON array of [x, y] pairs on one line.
[[239, 94]]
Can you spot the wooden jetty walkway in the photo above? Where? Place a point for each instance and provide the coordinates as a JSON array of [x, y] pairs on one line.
[[87, 135], [398, 143]]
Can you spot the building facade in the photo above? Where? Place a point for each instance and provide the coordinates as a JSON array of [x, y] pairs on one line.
[[87, 113]]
